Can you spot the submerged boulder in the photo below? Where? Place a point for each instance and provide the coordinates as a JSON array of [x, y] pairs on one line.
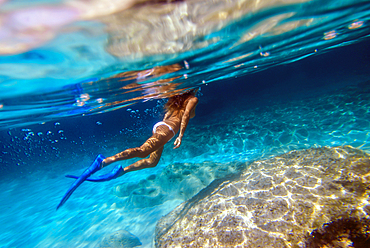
[[120, 239], [176, 181], [284, 201]]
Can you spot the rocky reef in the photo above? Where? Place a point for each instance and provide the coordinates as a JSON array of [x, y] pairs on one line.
[[292, 200]]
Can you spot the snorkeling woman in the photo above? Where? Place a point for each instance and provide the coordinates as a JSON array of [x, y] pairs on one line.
[[179, 110]]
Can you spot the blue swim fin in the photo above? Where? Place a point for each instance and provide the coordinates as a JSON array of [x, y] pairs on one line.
[[94, 167], [116, 172]]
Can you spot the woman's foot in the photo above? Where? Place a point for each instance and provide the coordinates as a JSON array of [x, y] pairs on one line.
[[107, 161]]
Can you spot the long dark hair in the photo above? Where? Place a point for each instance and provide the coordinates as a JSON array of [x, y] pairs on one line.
[[177, 102]]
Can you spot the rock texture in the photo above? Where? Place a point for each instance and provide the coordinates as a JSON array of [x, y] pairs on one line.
[[120, 239], [176, 181], [276, 202]]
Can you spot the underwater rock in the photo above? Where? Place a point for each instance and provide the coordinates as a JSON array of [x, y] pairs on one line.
[[277, 202], [120, 239], [176, 181]]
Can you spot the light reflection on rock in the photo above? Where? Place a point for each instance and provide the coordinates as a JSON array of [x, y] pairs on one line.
[[276, 202]]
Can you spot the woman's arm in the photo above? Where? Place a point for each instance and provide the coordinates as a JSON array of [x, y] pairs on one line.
[[185, 120]]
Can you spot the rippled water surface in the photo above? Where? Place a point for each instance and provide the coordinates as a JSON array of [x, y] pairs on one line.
[[63, 58], [83, 77]]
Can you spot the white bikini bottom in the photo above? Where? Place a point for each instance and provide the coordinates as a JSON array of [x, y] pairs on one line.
[[163, 123]]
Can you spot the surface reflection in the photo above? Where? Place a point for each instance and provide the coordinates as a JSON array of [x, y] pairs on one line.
[[139, 85]]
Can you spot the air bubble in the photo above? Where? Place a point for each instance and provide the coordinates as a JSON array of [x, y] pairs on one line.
[[356, 24], [330, 35], [264, 54], [79, 103], [84, 97]]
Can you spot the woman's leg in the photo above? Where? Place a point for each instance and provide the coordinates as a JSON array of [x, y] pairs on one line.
[[152, 161], [158, 140]]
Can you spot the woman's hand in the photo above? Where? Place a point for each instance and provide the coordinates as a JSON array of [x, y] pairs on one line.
[[177, 142]]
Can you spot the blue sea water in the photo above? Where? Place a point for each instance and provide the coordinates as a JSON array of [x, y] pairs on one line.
[[274, 76]]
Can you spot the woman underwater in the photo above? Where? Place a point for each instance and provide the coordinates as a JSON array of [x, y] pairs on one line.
[[179, 110]]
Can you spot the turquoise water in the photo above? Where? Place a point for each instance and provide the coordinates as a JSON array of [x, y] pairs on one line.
[[274, 77]]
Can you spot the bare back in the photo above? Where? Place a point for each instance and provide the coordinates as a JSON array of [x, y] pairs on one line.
[[175, 117]]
